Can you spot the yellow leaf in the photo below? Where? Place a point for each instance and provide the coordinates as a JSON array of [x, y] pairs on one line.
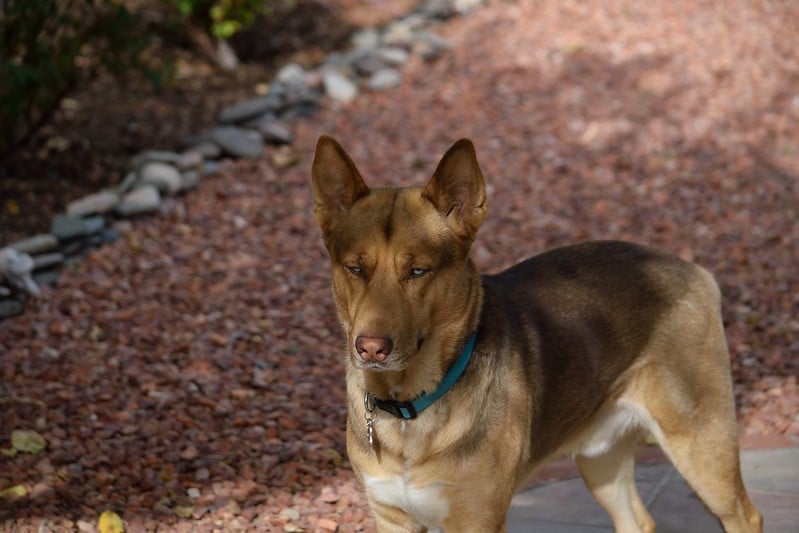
[[184, 511], [27, 441], [110, 522], [17, 491]]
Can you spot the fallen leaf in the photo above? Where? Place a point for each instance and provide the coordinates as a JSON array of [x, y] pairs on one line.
[[110, 522], [27, 441], [17, 491], [184, 511]]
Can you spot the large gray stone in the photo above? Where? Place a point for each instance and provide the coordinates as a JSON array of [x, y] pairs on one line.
[[68, 227], [144, 199], [239, 142], [99, 202], [38, 244], [162, 176], [249, 109]]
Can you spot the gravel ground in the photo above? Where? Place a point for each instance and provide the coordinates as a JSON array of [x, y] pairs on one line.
[[189, 377]]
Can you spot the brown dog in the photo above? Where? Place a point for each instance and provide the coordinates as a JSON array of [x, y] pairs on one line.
[[459, 385]]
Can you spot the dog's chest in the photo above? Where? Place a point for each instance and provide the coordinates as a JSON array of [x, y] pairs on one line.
[[426, 504]]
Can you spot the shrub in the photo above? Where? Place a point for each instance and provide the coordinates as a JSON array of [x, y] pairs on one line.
[[47, 47], [223, 18]]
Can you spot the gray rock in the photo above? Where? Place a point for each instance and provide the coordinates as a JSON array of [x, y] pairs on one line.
[[441, 9], [392, 55], [128, 183], [430, 46], [210, 167], [239, 142], [249, 109], [44, 261], [189, 180], [109, 236], [46, 277], [368, 64], [384, 79], [293, 75], [225, 55], [403, 32], [273, 130], [366, 39], [207, 149], [339, 87], [99, 202], [160, 156], [9, 308], [190, 159], [144, 199], [68, 227], [4, 291], [94, 224], [15, 270], [163, 176], [38, 244]]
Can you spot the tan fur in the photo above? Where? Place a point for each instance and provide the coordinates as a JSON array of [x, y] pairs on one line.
[[581, 350]]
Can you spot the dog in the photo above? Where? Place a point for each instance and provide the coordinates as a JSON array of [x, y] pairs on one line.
[[460, 385]]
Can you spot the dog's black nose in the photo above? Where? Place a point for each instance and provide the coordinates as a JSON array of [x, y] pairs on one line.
[[373, 349]]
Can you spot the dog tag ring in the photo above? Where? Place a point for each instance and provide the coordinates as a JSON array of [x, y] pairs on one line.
[[369, 415]]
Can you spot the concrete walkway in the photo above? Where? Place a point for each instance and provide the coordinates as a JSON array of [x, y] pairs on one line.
[[566, 506]]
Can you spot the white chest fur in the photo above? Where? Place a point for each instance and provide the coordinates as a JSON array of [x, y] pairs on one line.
[[425, 504]]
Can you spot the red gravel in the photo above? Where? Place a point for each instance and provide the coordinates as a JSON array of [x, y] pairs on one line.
[[193, 369]]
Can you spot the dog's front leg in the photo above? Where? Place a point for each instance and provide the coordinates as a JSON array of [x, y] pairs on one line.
[[390, 519]]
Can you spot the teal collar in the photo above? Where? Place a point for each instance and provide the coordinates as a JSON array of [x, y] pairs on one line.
[[411, 409]]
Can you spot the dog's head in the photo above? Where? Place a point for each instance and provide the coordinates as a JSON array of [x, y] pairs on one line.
[[402, 279]]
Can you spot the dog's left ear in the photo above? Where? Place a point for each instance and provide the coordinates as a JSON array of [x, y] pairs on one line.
[[457, 190], [336, 182]]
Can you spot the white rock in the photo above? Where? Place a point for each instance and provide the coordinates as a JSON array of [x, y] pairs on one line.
[[144, 199], [392, 55], [384, 79], [367, 39], [339, 87]]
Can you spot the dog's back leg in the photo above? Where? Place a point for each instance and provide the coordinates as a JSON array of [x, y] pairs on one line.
[[706, 454], [687, 391], [610, 478]]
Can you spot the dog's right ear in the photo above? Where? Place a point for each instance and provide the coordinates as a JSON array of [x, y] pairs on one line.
[[336, 182]]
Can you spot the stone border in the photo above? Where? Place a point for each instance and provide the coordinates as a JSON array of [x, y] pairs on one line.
[[243, 130]]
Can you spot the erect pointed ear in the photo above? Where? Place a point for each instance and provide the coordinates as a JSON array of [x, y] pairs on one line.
[[457, 190], [336, 182]]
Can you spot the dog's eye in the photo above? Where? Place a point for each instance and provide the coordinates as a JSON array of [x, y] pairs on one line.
[[354, 269], [416, 272]]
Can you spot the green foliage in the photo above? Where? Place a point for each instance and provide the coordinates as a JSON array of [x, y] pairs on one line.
[[223, 18], [47, 47]]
